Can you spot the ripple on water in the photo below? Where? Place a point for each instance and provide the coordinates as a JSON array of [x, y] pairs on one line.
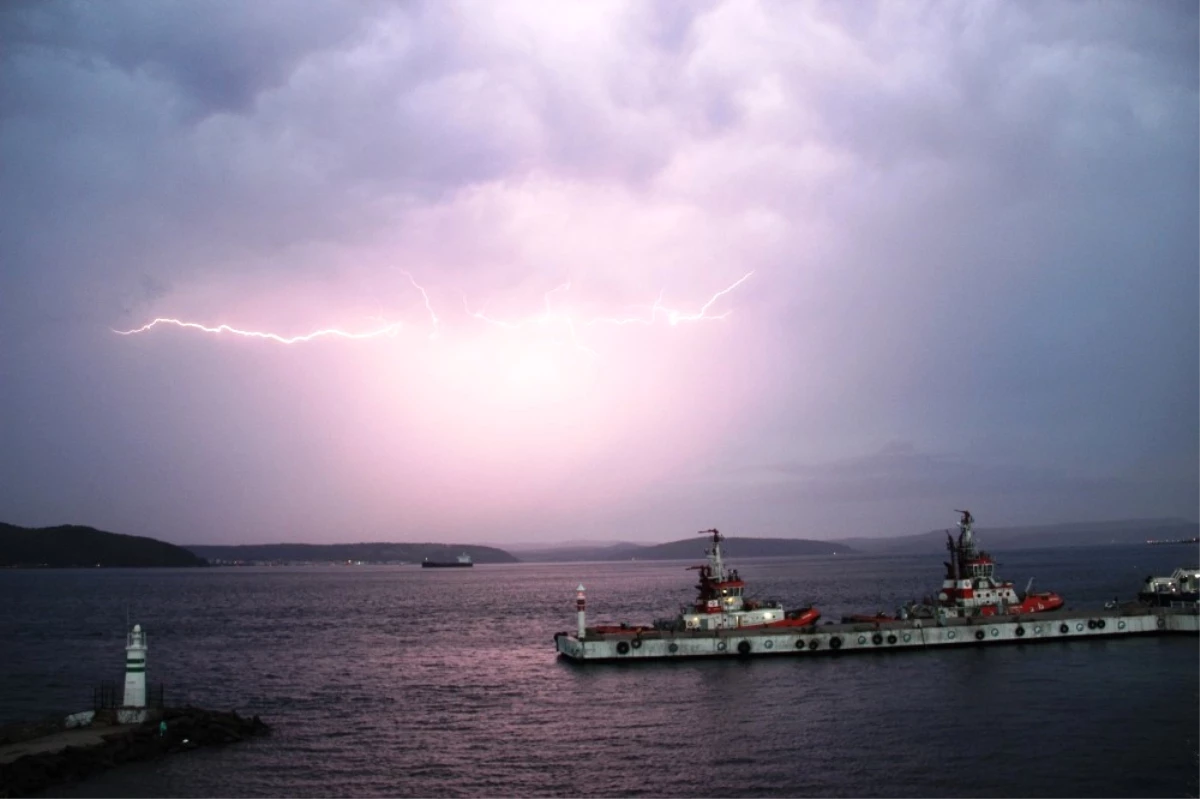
[[375, 691]]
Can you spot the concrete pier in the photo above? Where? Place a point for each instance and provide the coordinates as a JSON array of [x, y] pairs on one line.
[[881, 636]]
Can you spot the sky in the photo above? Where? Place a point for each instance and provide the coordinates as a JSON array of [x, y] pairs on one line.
[[526, 272]]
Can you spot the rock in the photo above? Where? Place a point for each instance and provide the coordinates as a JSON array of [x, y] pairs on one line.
[[35, 772], [27, 731]]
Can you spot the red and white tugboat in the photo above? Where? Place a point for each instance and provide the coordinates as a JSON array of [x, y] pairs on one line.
[[970, 587], [721, 603]]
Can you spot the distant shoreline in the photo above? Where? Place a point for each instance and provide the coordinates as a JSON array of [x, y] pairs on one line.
[[75, 547]]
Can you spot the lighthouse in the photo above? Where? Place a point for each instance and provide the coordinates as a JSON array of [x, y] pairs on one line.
[[580, 607], [135, 668]]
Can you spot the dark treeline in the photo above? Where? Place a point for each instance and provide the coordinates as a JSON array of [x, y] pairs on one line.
[[71, 546]]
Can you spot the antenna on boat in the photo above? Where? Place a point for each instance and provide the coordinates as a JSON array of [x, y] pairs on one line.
[[716, 563], [1028, 585]]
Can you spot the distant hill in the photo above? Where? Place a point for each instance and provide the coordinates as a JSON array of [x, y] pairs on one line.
[[575, 543], [71, 546], [382, 552], [691, 548], [1077, 534], [1045, 536]]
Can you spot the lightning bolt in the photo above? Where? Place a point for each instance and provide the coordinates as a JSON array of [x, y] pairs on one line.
[[673, 316], [549, 318], [386, 330], [428, 306]]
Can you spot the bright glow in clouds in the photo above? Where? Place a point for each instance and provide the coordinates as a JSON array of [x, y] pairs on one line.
[[609, 270], [523, 362]]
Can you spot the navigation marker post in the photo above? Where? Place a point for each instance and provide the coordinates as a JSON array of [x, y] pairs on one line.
[[580, 607]]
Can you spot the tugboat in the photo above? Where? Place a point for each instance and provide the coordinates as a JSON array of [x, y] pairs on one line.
[[721, 603], [970, 587], [1181, 588], [462, 562]]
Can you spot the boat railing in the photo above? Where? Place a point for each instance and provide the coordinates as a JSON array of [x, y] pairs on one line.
[[1126, 610]]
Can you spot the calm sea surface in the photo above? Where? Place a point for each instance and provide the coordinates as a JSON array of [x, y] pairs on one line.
[[400, 681]]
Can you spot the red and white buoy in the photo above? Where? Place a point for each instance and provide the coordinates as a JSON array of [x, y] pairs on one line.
[[580, 608]]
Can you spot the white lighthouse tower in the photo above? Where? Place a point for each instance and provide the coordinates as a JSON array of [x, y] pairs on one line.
[[135, 668], [580, 608]]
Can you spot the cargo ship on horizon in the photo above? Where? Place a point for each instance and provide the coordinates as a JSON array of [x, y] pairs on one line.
[[463, 561]]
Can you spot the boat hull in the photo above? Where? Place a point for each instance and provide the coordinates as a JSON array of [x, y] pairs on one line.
[[433, 565], [879, 637]]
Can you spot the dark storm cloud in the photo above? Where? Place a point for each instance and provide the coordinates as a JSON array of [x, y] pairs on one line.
[[219, 56], [168, 139], [973, 225]]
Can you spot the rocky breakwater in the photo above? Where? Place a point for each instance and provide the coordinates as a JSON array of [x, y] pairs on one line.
[[29, 765]]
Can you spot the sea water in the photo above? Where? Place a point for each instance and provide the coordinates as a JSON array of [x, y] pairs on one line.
[[402, 681]]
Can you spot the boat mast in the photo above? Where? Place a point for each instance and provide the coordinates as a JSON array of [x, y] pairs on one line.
[[715, 561], [966, 538]]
